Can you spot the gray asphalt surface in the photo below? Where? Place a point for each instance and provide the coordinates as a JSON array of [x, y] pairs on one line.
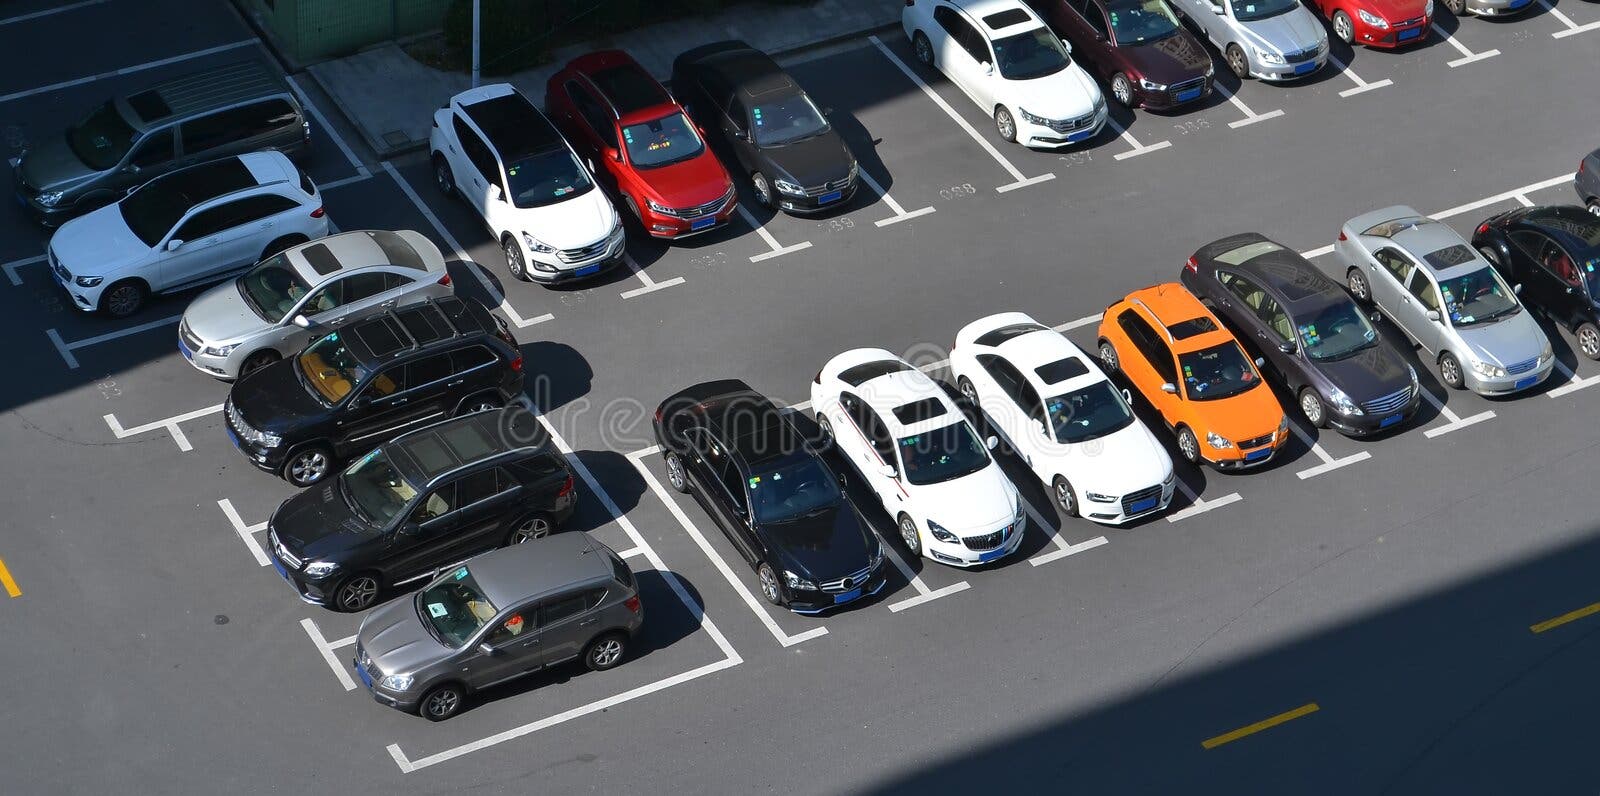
[[149, 651]]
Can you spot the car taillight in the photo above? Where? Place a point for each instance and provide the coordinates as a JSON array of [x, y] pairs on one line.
[[658, 414], [1483, 229], [318, 213], [1192, 265], [516, 364], [566, 488], [445, 280], [632, 603], [1583, 165], [817, 379], [1341, 235]]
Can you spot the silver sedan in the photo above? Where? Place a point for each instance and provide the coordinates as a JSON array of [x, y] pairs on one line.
[[1267, 39]]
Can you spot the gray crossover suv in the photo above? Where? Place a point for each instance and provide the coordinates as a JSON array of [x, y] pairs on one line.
[[496, 618]]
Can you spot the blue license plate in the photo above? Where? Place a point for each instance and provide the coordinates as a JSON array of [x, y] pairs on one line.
[[281, 571], [703, 223], [1519, 3], [234, 438], [1391, 420], [366, 679], [1406, 35], [184, 350], [1305, 67], [993, 554], [1080, 135], [847, 596], [1258, 455], [1524, 383], [1143, 506], [593, 269], [1185, 96], [829, 197]]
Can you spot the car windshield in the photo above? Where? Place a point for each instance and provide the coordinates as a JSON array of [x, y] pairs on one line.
[[102, 138], [1089, 413], [1217, 372], [1252, 10], [329, 370], [942, 454], [1026, 56], [1141, 21], [153, 210], [376, 489], [547, 178], [455, 607], [659, 142], [1336, 331], [786, 121], [1478, 297], [272, 287], [792, 491]]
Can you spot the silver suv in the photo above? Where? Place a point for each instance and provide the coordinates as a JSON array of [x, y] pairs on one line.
[[498, 617]]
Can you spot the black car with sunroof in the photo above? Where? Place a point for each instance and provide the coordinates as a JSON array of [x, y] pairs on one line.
[[1552, 253], [419, 505], [771, 494], [369, 381]]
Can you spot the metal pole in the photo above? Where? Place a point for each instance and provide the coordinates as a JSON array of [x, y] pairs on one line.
[[476, 46]]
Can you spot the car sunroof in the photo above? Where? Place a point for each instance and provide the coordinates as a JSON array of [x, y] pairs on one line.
[[918, 411], [1061, 370], [1183, 330]]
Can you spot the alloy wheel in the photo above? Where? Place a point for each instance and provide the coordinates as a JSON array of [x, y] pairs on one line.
[[1589, 341], [1358, 285], [769, 585], [308, 467], [1311, 407], [1065, 499], [514, 260], [1238, 63], [968, 392], [124, 300], [535, 527], [1450, 371], [675, 473], [924, 50], [1108, 356], [763, 189], [358, 593], [1594, 206], [443, 178], [1343, 28], [443, 702], [1122, 90], [1188, 445], [256, 362], [606, 654], [908, 534], [1005, 125]]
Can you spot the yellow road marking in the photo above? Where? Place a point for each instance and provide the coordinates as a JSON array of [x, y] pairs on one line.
[[1264, 724], [1573, 616], [6, 581]]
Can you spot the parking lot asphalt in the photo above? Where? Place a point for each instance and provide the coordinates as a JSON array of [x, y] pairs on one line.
[[1400, 614]]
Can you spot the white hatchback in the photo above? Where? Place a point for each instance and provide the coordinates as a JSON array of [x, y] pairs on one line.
[[184, 229], [949, 498], [1063, 417]]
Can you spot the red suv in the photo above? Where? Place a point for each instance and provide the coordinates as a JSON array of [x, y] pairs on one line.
[[639, 141]]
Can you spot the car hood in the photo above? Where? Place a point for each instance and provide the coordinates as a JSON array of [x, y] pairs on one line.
[[273, 399], [220, 315], [1171, 60], [692, 183], [1396, 10], [98, 243], [1505, 342], [573, 224], [52, 166], [978, 503], [812, 162], [1250, 414], [317, 523], [1067, 94], [1372, 372], [1127, 460], [1292, 31], [393, 635], [824, 546]]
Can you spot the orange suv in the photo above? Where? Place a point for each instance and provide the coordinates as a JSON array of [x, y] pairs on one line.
[[1192, 370]]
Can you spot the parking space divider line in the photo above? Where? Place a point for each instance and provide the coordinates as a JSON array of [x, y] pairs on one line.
[[62, 348], [1312, 254], [1264, 724], [65, 349], [170, 424], [338, 140], [1361, 85], [1523, 200], [1138, 148], [340, 183], [1467, 56], [50, 11], [1329, 464], [326, 651], [1573, 28], [246, 532], [778, 250], [900, 213], [1063, 547], [1198, 506], [1574, 381], [8, 582], [1501, 197], [1250, 116], [11, 268], [128, 70], [650, 285], [1454, 421], [630, 553]]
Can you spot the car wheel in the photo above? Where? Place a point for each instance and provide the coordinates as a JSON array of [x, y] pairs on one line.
[[769, 584], [1311, 407], [909, 535], [514, 263], [1066, 499], [1108, 356], [1122, 90], [1450, 371], [605, 652], [1594, 206], [1457, 7], [1357, 282], [307, 466], [676, 475], [443, 176], [1237, 62], [257, 361], [1589, 340], [923, 48], [1343, 27], [1188, 445], [357, 592], [123, 298], [758, 181], [282, 243], [442, 702], [1005, 125], [968, 392], [537, 525], [480, 404]]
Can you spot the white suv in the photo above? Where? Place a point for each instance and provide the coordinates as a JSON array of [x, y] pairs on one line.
[[949, 498], [184, 229], [495, 150]]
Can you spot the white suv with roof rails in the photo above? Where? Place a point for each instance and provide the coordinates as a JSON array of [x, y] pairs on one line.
[[949, 498], [184, 229], [496, 151]]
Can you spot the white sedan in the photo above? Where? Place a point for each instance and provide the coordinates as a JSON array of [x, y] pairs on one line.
[[1063, 417], [915, 449], [1004, 58]]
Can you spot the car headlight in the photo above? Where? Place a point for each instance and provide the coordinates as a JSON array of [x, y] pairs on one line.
[[784, 186], [797, 582], [1283, 424], [263, 438], [658, 207], [1413, 372], [855, 169], [1342, 402], [1427, 10], [1212, 70], [49, 198], [537, 245], [1151, 85], [1487, 369], [1172, 475], [320, 569], [1372, 19], [877, 558], [1099, 498], [1032, 119], [1217, 441], [398, 682], [1270, 57], [1546, 355], [87, 281], [941, 534], [219, 351]]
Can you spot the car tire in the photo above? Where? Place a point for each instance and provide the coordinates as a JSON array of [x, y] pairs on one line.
[[1360, 289], [969, 394], [1188, 445], [771, 590], [1457, 7], [1450, 371], [1108, 357], [357, 593], [1122, 90], [1237, 62], [1311, 407], [282, 243], [442, 702], [605, 652], [308, 465], [257, 361], [443, 177], [763, 189], [529, 527], [677, 476], [1588, 340], [1343, 27], [479, 403], [1066, 498], [923, 49], [514, 262], [123, 298], [1005, 125], [909, 536]]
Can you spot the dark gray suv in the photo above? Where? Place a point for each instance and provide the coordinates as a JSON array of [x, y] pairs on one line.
[[498, 617]]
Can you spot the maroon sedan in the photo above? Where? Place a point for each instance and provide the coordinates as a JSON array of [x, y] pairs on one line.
[[1137, 47]]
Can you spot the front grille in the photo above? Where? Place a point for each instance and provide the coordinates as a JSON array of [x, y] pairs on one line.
[[288, 559], [1388, 403], [236, 422], [836, 185], [1522, 367], [1408, 22], [988, 541], [696, 212], [1302, 56], [586, 253], [365, 664], [1069, 125], [856, 580], [1132, 498], [189, 338], [1264, 439], [1178, 88]]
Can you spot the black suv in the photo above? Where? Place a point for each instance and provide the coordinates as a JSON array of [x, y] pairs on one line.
[[771, 494], [419, 505], [1553, 255], [369, 381]]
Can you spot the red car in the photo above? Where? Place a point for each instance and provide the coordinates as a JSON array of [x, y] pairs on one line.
[[1378, 23], [1136, 47], [641, 144]]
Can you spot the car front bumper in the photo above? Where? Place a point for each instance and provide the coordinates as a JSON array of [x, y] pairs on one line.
[[83, 299], [311, 591], [812, 203], [1373, 422], [1237, 458], [1401, 34], [1282, 72], [671, 227], [1169, 98], [1038, 136], [566, 272], [1498, 8], [957, 554], [812, 603], [1508, 385], [1126, 508]]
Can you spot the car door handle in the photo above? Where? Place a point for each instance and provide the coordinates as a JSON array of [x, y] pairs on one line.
[[1404, 300], [456, 383], [587, 622], [398, 401], [266, 224]]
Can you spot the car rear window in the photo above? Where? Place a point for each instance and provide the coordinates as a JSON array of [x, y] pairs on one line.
[[1061, 370], [995, 337], [1391, 228], [397, 251], [857, 375], [1450, 256], [307, 185], [624, 575], [1249, 251]]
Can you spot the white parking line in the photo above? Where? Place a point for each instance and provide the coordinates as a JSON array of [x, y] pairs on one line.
[[338, 140], [1138, 148], [900, 213], [924, 594], [1198, 506], [127, 70], [65, 349], [326, 650], [1312, 254], [1084, 321], [1329, 463], [246, 532], [1454, 421], [777, 249], [1572, 28], [461, 254], [49, 11], [1574, 382], [1467, 56], [1063, 547], [170, 425], [1250, 116], [350, 180], [650, 285], [1021, 181], [1501, 197], [11, 268], [1361, 85]]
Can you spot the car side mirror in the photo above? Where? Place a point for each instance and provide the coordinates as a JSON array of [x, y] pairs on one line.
[[172, 245], [843, 481], [887, 471], [1068, 45], [495, 194], [1433, 315], [1571, 291], [301, 321], [1127, 396], [1218, 10], [1260, 363], [991, 441], [988, 68], [132, 169], [1375, 317], [1517, 288], [1169, 388], [1038, 425], [488, 649], [614, 154], [1287, 347], [407, 528]]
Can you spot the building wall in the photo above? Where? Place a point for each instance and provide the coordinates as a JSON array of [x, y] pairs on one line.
[[315, 30]]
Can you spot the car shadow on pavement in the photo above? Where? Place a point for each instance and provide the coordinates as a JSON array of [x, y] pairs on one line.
[[555, 375], [622, 484]]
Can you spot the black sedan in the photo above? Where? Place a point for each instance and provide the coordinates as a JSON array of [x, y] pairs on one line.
[[796, 161], [1313, 337], [773, 496], [1553, 255]]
